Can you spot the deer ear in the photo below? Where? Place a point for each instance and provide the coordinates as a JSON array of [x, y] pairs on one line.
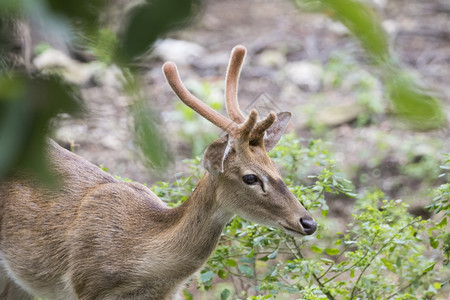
[[215, 155], [274, 132]]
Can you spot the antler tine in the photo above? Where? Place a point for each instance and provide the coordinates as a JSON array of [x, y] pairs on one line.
[[173, 78], [245, 129], [262, 126], [231, 83]]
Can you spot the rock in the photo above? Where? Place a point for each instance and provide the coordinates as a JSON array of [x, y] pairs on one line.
[[306, 75], [53, 60], [271, 59], [338, 28], [339, 114], [110, 76], [71, 132], [181, 52], [380, 3], [212, 61], [391, 27]]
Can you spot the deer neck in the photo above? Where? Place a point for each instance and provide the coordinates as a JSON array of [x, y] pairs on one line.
[[196, 225]]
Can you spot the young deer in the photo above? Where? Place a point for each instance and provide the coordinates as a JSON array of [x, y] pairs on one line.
[[94, 237]]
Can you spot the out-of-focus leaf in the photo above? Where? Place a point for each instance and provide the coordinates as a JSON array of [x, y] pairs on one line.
[[418, 107], [363, 23], [187, 295], [26, 107], [151, 20], [82, 12], [149, 137], [247, 270], [10, 6], [411, 102], [316, 249], [225, 294], [332, 251], [207, 276], [147, 133]]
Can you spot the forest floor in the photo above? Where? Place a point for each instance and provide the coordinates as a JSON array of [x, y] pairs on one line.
[[298, 61]]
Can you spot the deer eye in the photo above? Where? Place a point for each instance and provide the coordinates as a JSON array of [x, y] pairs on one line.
[[250, 179]]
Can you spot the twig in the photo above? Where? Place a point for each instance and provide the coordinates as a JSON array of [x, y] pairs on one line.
[[357, 262], [407, 286], [376, 254], [298, 254]]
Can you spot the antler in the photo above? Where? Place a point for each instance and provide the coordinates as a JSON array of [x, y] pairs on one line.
[[173, 78], [239, 127], [231, 83]]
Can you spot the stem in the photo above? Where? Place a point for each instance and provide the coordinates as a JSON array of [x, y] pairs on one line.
[[336, 259], [298, 254], [376, 254], [331, 265], [353, 265], [407, 286]]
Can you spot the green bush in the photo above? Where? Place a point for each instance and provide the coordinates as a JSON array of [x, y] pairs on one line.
[[382, 253]]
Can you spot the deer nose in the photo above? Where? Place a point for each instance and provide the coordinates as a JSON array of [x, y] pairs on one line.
[[309, 225]]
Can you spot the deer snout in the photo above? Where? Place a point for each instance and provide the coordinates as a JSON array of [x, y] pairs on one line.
[[309, 225]]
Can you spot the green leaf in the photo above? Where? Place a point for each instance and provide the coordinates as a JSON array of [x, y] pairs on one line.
[[264, 258], [156, 17], [147, 133], [361, 20], [248, 260], [437, 285], [434, 243], [442, 224], [420, 108], [332, 251], [247, 270], [316, 249], [81, 10], [222, 274], [225, 294], [207, 276], [187, 295], [273, 255], [27, 104], [230, 262], [429, 268], [388, 264]]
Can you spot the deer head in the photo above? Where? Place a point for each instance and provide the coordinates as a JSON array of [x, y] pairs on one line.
[[247, 181]]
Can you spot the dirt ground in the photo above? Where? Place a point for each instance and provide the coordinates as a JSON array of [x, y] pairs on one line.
[[278, 35]]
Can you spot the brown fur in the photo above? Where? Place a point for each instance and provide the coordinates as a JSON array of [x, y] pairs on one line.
[[94, 237]]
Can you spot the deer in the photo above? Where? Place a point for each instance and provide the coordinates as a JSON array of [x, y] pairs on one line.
[[93, 236]]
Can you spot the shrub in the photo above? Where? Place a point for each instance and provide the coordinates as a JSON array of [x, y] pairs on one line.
[[382, 253]]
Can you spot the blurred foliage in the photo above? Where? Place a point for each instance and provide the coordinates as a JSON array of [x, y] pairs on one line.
[[28, 100], [26, 108], [101, 44], [150, 20], [148, 136], [382, 253], [417, 106]]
